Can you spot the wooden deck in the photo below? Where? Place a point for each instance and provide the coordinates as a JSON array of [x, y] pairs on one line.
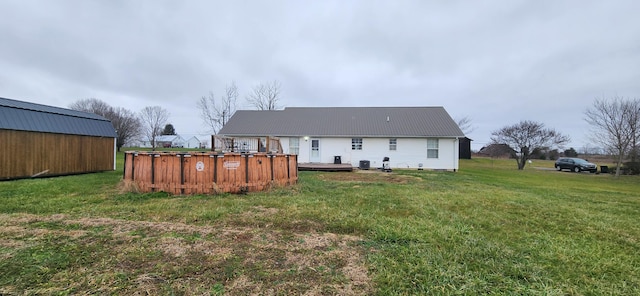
[[325, 167]]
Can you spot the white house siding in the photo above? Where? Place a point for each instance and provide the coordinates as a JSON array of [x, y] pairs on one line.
[[142, 144], [178, 142], [409, 153], [173, 140], [193, 142]]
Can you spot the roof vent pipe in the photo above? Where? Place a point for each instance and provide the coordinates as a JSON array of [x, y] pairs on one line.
[[387, 118]]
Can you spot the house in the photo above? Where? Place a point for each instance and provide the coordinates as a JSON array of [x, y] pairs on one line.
[[164, 141], [198, 141], [497, 151], [412, 137], [169, 141], [193, 142], [38, 140]]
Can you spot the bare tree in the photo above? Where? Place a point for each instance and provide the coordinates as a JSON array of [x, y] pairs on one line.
[[229, 102], [127, 125], [153, 119], [125, 122], [92, 105], [634, 127], [615, 124], [465, 125], [526, 136], [207, 106], [265, 96], [216, 114]]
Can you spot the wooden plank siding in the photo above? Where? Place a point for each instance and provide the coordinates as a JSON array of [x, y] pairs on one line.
[[24, 154], [208, 173]]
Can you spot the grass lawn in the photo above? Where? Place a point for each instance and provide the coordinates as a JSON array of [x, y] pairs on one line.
[[487, 229]]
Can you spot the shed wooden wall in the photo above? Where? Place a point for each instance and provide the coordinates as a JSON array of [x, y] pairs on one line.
[[24, 154]]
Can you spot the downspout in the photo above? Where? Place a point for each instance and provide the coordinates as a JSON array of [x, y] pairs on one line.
[[115, 152], [456, 155]]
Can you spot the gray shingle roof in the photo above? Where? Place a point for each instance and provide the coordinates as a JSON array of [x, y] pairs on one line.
[[344, 121], [25, 116]]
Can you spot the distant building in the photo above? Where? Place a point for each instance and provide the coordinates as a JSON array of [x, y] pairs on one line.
[[497, 150], [464, 148], [164, 141], [198, 141]]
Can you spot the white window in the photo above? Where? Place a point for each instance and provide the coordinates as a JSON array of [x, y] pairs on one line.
[[294, 146], [432, 148], [393, 144], [356, 144]]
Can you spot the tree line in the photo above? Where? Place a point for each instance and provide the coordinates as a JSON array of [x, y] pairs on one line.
[[153, 121], [614, 122]]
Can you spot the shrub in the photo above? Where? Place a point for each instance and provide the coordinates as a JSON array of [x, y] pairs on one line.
[[571, 152], [631, 168], [553, 154]]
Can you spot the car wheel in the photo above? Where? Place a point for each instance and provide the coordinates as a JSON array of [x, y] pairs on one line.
[[576, 169], [558, 168]]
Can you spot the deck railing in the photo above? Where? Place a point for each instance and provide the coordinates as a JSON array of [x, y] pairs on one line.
[[246, 144]]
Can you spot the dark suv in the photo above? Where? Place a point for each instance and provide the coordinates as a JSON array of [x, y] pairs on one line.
[[575, 164]]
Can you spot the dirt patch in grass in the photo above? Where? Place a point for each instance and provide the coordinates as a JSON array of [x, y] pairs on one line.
[[369, 176], [142, 257], [128, 186]]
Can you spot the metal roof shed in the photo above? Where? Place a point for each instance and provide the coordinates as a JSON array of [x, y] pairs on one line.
[[39, 140]]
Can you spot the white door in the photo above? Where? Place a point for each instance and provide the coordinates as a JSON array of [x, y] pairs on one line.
[[315, 151]]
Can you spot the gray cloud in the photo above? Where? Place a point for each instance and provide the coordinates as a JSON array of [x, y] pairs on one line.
[[495, 61]]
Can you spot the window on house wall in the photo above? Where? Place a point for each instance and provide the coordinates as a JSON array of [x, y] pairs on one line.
[[356, 144], [294, 146], [393, 144], [432, 148]]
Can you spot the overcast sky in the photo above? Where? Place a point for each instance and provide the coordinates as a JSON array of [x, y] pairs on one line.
[[496, 62]]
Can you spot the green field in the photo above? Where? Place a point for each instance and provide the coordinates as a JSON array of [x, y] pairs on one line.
[[487, 229]]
